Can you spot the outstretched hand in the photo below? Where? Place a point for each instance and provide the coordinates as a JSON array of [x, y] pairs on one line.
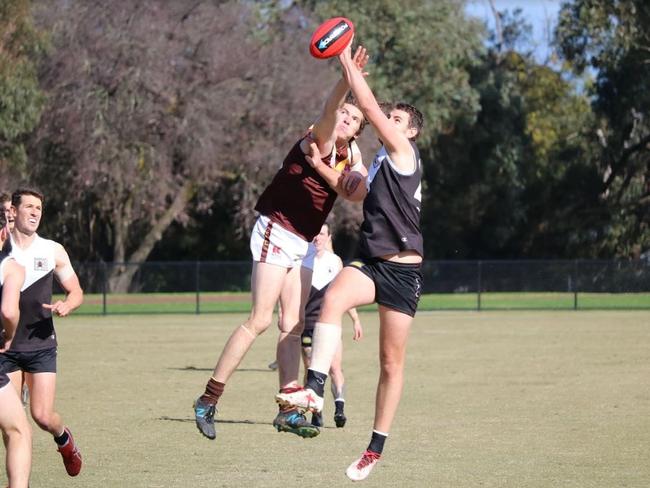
[[360, 59]]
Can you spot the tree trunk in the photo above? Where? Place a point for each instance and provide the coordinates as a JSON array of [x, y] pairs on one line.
[[120, 277]]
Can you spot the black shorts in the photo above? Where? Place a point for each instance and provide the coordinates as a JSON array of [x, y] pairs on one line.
[[4, 380], [307, 337], [43, 361], [397, 285]]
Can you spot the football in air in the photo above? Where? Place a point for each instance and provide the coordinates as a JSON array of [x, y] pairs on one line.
[[331, 38]]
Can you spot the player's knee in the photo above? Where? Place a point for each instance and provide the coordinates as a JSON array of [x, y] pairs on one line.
[[257, 325], [391, 366], [42, 418], [333, 304], [291, 327]]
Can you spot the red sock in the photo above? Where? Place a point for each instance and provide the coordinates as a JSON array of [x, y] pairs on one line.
[[213, 391]]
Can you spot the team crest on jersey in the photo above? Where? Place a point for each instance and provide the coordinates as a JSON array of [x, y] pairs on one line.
[[276, 250], [40, 264]]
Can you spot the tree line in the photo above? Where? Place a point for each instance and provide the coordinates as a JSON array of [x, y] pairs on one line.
[[153, 126]]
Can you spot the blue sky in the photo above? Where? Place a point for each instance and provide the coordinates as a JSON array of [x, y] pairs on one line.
[[541, 14]]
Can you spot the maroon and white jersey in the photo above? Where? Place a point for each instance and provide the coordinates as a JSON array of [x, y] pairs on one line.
[[298, 198]]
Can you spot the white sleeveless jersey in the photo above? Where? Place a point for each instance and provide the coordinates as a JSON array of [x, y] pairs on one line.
[[38, 260], [3, 260], [326, 268], [36, 328]]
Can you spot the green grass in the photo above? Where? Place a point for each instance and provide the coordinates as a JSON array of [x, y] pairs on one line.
[[500, 399], [149, 303]]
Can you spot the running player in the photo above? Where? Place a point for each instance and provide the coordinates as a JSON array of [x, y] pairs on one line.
[[292, 209], [326, 266], [16, 432], [34, 348], [387, 272]]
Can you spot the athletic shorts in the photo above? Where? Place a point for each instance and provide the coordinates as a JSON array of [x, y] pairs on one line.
[[4, 380], [273, 244], [397, 285], [43, 361]]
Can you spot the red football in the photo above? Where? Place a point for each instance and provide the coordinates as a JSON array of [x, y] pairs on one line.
[[331, 38]]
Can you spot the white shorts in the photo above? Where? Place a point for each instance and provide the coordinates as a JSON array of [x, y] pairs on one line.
[[271, 243]]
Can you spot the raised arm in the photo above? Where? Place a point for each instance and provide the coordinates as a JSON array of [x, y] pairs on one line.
[[324, 129], [397, 144]]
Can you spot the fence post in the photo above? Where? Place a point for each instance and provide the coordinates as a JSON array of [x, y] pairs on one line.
[[478, 285], [104, 287], [575, 284], [197, 283]]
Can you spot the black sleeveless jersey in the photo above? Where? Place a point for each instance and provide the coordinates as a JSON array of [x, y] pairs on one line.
[[391, 210], [36, 328]]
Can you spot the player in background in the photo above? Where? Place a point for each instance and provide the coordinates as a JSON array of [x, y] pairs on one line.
[[5, 201], [291, 211], [33, 351], [16, 432], [387, 271], [326, 266]]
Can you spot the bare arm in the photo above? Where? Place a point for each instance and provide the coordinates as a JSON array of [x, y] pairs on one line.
[[397, 144], [344, 184], [323, 131], [324, 128], [356, 324], [10, 310], [69, 281]]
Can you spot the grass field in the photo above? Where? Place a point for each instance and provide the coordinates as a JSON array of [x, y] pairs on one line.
[[499, 399]]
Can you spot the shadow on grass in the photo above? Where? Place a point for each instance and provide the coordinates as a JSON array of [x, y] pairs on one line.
[[220, 421], [240, 370]]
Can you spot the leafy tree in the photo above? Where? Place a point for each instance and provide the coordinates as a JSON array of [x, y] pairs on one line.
[[21, 100], [155, 106], [420, 53], [515, 182], [610, 38]]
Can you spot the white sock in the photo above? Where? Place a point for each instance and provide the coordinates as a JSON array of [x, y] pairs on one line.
[[325, 344]]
